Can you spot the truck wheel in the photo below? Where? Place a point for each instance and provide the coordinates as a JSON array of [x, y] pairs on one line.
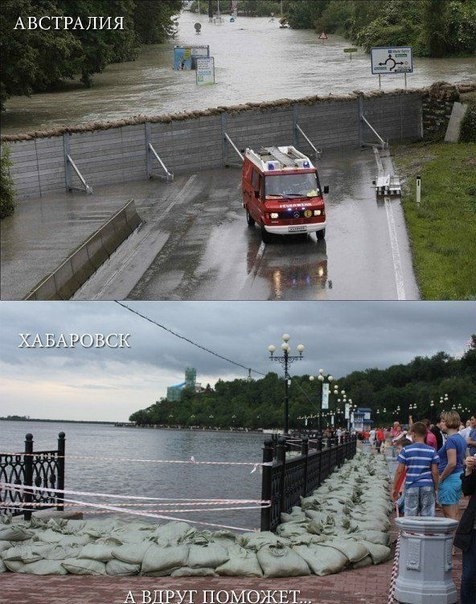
[[321, 234], [249, 219], [265, 236]]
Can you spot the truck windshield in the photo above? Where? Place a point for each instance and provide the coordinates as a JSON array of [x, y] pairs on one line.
[[292, 185]]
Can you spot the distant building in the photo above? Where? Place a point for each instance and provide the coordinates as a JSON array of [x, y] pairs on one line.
[[190, 377], [174, 393], [362, 419]]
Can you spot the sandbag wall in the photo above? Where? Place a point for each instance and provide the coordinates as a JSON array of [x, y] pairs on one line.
[[115, 152], [343, 524]]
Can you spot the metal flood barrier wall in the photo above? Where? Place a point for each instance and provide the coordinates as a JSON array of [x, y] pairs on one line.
[[41, 469], [287, 479], [119, 152]]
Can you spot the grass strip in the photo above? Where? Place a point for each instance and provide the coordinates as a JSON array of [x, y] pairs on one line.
[[442, 228]]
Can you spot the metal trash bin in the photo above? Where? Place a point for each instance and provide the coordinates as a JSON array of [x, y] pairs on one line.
[[426, 561]]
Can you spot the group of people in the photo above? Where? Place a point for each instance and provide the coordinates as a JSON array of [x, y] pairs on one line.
[[439, 466]]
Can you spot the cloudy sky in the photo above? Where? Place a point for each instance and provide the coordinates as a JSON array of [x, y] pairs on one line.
[[111, 383]]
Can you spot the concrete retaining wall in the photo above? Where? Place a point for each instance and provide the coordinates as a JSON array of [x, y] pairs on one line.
[[112, 153], [84, 261]]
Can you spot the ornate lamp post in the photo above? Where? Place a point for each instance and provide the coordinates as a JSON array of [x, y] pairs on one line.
[[324, 380], [343, 401], [352, 410], [444, 401], [286, 359]]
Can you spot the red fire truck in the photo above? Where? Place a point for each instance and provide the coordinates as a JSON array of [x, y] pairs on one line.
[[282, 193]]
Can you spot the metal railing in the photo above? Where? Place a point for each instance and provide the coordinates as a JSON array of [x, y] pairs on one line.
[[41, 469], [289, 476]]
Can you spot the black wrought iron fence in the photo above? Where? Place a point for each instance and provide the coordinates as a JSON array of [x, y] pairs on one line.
[[296, 467], [41, 469]]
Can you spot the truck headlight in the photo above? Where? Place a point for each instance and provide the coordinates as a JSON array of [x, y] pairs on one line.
[[274, 215], [317, 212]]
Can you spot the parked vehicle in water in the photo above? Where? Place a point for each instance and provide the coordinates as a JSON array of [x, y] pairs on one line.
[[282, 193]]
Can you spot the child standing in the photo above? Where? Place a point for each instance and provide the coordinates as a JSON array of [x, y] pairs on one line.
[[420, 462]]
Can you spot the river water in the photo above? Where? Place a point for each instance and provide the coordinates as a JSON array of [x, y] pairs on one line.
[[112, 460], [255, 60]]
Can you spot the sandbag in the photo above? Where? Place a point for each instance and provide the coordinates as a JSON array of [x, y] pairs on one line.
[[255, 541], [15, 533], [242, 563], [27, 553], [84, 566], [352, 549], [291, 529], [118, 568], [296, 515], [366, 561], [310, 503], [162, 561], [4, 545], [61, 552], [131, 553], [379, 537], [281, 561], [306, 539], [51, 536], [320, 516], [322, 560], [379, 553], [40, 567], [97, 551], [172, 533], [209, 555]]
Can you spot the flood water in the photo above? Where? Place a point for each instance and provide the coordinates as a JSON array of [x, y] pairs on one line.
[[255, 60], [139, 462]]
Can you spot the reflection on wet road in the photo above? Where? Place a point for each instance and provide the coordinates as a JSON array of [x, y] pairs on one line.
[[196, 245]]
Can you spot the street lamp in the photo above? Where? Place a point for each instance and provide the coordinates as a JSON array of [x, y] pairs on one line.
[[352, 410], [324, 380], [344, 403], [286, 359]]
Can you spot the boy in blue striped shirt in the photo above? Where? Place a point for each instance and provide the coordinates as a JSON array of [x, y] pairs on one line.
[[420, 462]]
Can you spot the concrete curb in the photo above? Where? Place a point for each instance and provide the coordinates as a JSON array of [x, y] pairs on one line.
[[71, 274]]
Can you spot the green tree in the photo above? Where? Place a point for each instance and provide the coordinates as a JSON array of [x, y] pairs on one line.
[[152, 20], [434, 27], [305, 14], [40, 58], [32, 59], [7, 192]]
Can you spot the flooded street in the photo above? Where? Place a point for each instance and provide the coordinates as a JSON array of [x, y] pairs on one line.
[[255, 60], [194, 243]]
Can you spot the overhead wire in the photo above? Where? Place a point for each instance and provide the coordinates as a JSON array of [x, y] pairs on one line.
[[188, 340]]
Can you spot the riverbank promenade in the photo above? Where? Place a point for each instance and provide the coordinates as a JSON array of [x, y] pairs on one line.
[[369, 585]]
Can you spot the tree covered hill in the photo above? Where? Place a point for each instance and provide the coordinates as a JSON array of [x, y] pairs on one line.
[[422, 388]]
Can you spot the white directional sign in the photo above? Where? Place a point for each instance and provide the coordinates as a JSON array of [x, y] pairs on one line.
[[387, 59], [205, 71]]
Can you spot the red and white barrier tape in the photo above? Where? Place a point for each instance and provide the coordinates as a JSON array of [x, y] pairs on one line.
[[18, 487], [391, 593], [192, 460], [157, 514]]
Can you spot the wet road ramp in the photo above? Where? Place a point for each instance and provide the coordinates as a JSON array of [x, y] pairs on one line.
[[204, 249]]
